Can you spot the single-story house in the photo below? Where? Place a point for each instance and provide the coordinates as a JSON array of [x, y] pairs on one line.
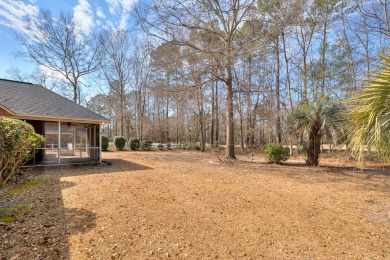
[[72, 131]]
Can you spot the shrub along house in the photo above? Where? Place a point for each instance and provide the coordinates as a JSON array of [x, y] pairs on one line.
[[72, 131]]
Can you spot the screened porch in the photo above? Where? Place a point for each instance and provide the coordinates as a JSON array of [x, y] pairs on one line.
[[67, 143]]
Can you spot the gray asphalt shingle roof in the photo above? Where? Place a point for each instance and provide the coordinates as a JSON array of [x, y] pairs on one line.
[[29, 99]]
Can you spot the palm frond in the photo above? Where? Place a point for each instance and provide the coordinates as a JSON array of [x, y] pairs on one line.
[[369, 116]]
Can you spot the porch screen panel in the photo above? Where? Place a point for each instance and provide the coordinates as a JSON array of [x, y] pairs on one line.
[[93, 142], [51, 143], [67, 140]]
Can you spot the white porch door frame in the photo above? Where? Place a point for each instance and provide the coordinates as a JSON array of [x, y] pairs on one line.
[[100, 143], [59, 142]]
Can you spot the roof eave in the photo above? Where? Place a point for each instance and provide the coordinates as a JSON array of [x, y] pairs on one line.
[[7, 110], [61, 119]]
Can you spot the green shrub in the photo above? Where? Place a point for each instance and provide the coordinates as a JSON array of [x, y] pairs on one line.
[[192, 146], [120, 143], [169, 146], [146, 145], [17, 141], [276, 153], [105, 142], [160, 147], [134, 144]]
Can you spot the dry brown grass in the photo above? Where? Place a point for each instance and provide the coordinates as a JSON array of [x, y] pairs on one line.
[[181, 204]]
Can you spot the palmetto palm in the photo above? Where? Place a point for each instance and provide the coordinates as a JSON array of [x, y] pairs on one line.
[[369, 115], [314, 119]]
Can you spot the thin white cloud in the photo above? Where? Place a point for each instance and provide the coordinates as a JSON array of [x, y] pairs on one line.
[[108, 26], [14, 13], [113, 5], [122, 8], [83, 15], [50, 73], [99, 12]]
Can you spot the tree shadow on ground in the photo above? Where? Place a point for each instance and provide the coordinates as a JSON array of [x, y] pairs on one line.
[[373, 178], [113, 166], [79, 220], [44, 231]]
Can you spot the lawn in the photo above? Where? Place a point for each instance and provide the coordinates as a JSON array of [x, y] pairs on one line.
[[180, 204]]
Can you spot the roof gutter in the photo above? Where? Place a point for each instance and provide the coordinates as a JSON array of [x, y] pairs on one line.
[[62, 119]]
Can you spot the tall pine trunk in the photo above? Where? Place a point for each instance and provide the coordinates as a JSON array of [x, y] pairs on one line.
[[229, 111], [249, 119], [277, 93], [212, 128], [167, 112]]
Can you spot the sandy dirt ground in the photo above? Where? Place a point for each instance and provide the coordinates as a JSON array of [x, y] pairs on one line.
[[187, 205]]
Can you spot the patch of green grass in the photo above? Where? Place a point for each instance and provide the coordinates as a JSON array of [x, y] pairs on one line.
[[11, 213], [17, 189]]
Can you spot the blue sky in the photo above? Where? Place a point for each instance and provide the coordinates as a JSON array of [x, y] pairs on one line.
[[93, 13]]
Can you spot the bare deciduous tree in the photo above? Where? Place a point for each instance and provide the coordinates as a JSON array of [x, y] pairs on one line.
[[60, 46], [174, 20], [141, 70], [116, 68]]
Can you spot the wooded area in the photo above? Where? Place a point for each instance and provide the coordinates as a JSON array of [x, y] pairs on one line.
[[216, 72]]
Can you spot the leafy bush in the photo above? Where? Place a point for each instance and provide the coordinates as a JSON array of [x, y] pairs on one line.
[[146, 145], [192, 146], [17, 141], [276, 153], [105, 142], [160, 147], [120, 143], [134, 144], [169, 146]]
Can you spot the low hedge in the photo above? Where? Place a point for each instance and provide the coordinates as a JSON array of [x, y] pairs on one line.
[[146, 145], [105, 142], [119, 142], [134, 144], [276, 153]]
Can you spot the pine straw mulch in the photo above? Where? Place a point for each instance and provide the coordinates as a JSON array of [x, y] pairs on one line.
[[190, 205]]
